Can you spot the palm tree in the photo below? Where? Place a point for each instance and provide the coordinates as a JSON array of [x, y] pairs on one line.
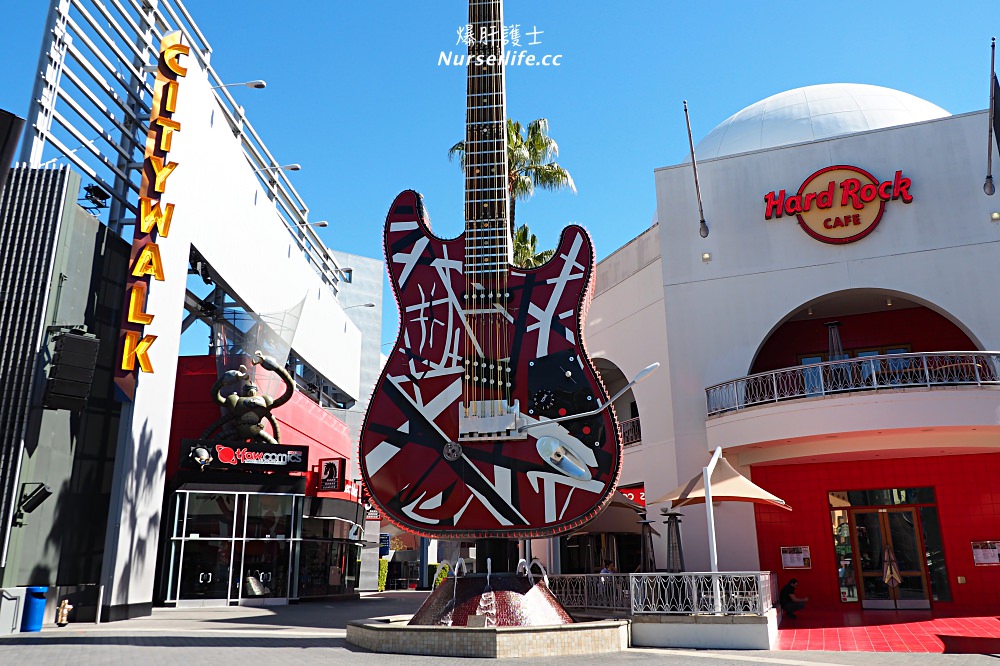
[[530, 162], [526, 254]]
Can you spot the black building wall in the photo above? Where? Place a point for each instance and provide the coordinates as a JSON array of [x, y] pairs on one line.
[[61, 543]]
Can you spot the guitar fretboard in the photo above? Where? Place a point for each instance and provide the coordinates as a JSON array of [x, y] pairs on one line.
[[488, 250]]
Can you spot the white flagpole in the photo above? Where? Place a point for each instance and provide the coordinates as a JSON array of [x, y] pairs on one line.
[[702, 228], [988, 186]]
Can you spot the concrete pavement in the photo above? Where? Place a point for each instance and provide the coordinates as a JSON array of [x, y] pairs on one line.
[[314, 633]]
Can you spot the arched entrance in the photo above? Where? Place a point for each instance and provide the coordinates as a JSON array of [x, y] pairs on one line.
[[866, 322], [626, 407]]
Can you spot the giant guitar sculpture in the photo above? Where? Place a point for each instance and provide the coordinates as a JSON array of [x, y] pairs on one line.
[[461, 438]]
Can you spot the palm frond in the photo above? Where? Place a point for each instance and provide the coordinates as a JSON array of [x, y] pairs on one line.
[[457, 150]]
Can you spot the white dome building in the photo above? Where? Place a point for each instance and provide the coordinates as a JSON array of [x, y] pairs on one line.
[[814, 113], [812, 336]]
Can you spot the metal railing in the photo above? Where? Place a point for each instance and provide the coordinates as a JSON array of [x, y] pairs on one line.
[[631, 433], [91, 105], [868, 373], [729, 593]]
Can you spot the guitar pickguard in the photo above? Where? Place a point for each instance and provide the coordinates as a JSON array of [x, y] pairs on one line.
[[441, 464]]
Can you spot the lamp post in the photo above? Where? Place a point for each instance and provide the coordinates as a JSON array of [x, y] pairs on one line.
[[360, 305], [256, 84], [283, 167]]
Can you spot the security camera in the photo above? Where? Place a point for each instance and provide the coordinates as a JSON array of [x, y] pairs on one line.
[[35, 498]]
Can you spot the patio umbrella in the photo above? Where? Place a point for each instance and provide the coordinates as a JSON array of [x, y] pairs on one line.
[[727, 485], [724, 484], [890, 568], [620, 516]]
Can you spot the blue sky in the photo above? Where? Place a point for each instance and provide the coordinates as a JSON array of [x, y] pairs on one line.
[[356, 95]]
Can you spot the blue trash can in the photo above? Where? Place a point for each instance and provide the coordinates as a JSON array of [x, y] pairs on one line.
[[34, 609]]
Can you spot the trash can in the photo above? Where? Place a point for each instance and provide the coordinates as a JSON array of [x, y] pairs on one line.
[[34, 609]]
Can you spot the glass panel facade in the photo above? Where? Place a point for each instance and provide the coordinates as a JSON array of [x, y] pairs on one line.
[[239, 547], [269, 517], [869, 533], [886, 533], [210, 515], [882, 497], [205, 568], [903, 535], [265, 569], [327, 568], [844, 548], [935, 554]]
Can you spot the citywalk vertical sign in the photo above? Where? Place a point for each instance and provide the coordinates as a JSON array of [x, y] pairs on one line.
[[152, 226]]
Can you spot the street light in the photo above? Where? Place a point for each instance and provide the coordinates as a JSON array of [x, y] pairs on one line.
[[257, 84], [284, 167], [321, 223], [360, 305]]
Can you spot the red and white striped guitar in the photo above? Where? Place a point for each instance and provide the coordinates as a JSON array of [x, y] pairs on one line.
[[489, 419]]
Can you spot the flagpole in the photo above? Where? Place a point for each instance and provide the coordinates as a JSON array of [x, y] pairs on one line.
[[703, 227], [988, 186]]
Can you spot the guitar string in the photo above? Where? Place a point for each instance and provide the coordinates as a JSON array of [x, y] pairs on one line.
[[503, 375], [469, 214]]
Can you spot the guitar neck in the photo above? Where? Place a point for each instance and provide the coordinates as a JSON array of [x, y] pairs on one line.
[[488, 244]]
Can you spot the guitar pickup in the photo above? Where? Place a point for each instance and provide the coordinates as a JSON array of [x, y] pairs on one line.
[[489, 420]]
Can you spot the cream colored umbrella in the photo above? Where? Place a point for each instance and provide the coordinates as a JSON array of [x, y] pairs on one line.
[[727, 485], [718, 482]]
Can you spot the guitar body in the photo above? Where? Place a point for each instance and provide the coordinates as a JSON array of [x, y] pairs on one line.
[[422, 472]]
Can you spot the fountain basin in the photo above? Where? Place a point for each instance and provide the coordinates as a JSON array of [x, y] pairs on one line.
[[392, 634]]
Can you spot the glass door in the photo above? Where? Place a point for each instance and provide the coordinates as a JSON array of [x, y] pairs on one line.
[[204, 573], [891, 563], [265, 573]]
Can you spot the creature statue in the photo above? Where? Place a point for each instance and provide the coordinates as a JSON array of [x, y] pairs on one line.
[[248, 409]]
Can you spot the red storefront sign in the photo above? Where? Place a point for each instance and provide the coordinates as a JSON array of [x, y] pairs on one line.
[[636, 493], [839, 204]]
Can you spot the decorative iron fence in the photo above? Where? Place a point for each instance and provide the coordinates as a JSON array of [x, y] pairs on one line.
[[631, 433], [868, 373], [729, 593]]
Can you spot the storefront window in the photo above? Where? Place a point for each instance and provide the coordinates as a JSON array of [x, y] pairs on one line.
[[269, 516], [211, 515], [846, 575], [326, 528], [887, 496], [935, 553], [327, 568]]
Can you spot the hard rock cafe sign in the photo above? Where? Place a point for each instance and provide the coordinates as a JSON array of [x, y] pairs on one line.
[[839, 204]]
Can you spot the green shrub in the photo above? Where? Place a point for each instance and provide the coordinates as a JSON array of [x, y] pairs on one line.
[[383, 573]]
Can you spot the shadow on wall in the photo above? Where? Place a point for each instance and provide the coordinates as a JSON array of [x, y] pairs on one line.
[[139, 519]]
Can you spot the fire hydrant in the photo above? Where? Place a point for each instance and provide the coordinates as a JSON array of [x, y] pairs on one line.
[[62, 614]]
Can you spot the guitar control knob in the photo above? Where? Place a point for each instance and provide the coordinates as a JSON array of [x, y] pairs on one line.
[[544, 400], [452, 451]]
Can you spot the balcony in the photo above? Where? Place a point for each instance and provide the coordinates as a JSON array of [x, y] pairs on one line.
[[870, 373], [631, 433]]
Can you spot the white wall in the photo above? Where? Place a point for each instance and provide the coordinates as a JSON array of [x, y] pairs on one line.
[[224, 212], [626, 325], [941, 249], [220, 208]]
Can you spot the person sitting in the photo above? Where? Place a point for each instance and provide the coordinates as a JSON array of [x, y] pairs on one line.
[[788, 601], [609, 567]]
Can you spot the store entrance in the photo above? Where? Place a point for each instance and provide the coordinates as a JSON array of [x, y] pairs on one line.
[[229, 548], [892, 566]]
